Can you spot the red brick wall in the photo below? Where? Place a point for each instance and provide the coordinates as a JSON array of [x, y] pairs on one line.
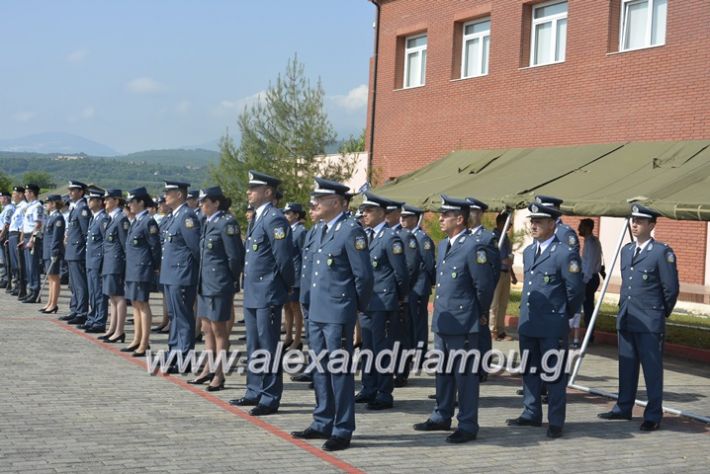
[[596, 96]]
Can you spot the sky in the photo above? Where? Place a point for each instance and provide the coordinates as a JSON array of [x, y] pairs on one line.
[[149, 74]]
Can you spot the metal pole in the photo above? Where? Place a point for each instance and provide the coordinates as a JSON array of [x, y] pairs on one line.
[[642, 403], [505, 230], [597, 307]]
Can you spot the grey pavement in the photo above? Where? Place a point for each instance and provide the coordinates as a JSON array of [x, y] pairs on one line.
[[71, 404]]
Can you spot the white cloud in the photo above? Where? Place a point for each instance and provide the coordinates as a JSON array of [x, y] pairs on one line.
[[144, 85], [355, 99], [88, 112], [77, 56], [183, 107], [228, 105], [24, 116]]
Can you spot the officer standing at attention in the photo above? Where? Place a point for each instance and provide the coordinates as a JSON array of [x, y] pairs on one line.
[[564, 233], [31, 241], [268, 280], [295, 214], [8, 208], [307, 254], [75, 253], [379, 322], [421, 290], [403, 334], [488, 241], [341, 286], [53, 251], [17, 256], [180, 268], [552, 294], [461, 295], [98, 302], [649, 291]]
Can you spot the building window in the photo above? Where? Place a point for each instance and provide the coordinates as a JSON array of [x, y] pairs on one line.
[[415, 61], [549, 33], [643, 23], [476, 46]]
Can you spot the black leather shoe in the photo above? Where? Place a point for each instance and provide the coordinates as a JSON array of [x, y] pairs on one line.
[[215, 388], [520, 421], [460, 436], [104, 337], [32, 298], [242, 322], [114, 340], [130, 349], [483, 378], [158, 328], [554, 431], [302, 378], [68, 317], [336, 444], [96, 329], [140, 354], [432, 426], [379, 405], [362, 398], [76, 321], [14, 292], [544, 399], [262, 410], [519, 391], [173, 369], [310, 433], [83, 326], [243, 402], [400, 382], [649, 426], [612, 415], [201, 380]]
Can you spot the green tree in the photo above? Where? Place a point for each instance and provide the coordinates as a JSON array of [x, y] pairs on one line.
[[285, 134], [353, 144], [41, 178], [5, 182]]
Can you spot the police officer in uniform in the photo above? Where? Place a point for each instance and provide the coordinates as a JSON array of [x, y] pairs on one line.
[[113, 269], [75, 253], [165, 210], [180, 268], [421, 290], [341, 285], [391, 287], [8, 208], [53, 250], [31, 241], [294, 214], [413, 258], [552, 294], [17, 256], [268, 279], [487, 239], [221, 264], [98, 302], [463, 271], [649, 291], [564, 233]]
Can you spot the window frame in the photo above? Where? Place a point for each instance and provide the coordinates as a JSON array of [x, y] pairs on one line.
[[481, 35], [552, 18], [648, 34], [418, 50]]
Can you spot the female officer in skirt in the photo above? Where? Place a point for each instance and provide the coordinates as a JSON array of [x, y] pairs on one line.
[[113, 270], [221, 264], [142, 262], [53, 250]]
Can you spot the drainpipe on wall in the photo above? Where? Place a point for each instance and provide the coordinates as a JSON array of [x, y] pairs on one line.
[[374, 91]]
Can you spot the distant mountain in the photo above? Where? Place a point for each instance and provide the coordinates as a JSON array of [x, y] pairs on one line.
[[56, 142], [191, 158]]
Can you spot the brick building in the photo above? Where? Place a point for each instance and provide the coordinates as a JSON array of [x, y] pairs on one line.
[[472, 74]]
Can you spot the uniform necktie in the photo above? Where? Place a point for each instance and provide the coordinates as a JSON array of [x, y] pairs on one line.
[[325, 231], [636, 254], [251, 223], [538, 251], [370, 236], [448, 247]]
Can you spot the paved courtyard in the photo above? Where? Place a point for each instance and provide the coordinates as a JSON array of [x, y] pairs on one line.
[[69, 403]]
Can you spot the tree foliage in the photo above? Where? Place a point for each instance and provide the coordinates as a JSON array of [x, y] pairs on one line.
[[41, 178], [285, 134], [5, 182]]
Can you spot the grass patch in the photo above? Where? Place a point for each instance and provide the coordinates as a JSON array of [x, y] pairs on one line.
[[693, 336]]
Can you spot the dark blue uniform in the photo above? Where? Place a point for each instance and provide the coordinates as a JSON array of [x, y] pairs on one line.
[[421, 290], [298, 237], [142, 257], [268, 278], [379, 322], [221, 264], [341, 286], [178, 273], [649, 292], [462, 296], [113, 270], [98, 302], [75, 255], [552, 293], [53, 243]]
